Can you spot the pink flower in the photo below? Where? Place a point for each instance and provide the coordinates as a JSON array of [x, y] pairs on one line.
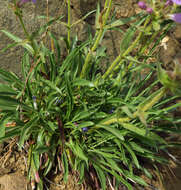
[[168, 3], [149, 10], [142, 5], [176, 17], [178, 2]]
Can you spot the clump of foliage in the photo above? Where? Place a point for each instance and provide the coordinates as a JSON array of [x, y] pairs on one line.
[[70, 112]]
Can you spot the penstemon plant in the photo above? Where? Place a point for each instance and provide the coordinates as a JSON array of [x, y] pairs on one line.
[[69, 112]]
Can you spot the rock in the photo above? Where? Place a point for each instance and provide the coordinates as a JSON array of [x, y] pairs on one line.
[[13, 181], [177, 32], [11, 59], [167, 55]]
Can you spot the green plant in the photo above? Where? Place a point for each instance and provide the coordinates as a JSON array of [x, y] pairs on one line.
[[68, 111]]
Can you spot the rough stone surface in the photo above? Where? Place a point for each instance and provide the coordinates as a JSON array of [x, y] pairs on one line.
[[14, 181], [11, 59]]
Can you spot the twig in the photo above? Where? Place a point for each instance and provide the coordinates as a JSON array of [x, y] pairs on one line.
[[8, 154], [110, 184]]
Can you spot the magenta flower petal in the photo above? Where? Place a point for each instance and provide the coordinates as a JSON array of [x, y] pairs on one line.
[[178, 2], [168, 3], [149, 10], [142, 5], [176, 17]]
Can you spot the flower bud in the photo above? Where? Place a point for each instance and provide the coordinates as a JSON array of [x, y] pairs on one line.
[[34, 102], [84, 129]]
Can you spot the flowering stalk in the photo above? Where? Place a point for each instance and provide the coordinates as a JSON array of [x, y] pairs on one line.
[[120, 56], [51, 40], [107, 7], [19, 15], [144, 108], [69, 23], [23, 26]]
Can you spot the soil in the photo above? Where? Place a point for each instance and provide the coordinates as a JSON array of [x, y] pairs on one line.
[[13, 170], [13, 173]]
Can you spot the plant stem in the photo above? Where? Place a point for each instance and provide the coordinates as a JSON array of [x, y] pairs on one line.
[[24, 28], [27, 35], [107, 7], [152, 102], [106, 3], [49, 28], [83, 72], [120, 56], [69, 23]]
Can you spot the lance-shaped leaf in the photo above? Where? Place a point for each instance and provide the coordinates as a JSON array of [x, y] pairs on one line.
[[18, 41], [9, 103]]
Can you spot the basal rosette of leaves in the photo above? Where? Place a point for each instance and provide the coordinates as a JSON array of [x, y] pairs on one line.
[[114, 144], [69, 115]]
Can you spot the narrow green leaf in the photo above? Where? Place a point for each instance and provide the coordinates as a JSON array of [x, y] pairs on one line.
[[121, 21], [118, 177], [97, 15], [118, 133], [135, 160], [101, 175], [7, 90], [19, 41], [137, 147], [26, 131], [52, 85], [10, 77], [66, 64], [11, 132], [45, 26], [83, 115], [85, 124], [3, 123], [65, 166], [79, 153], [41, 149], [8, 103], [104, 154], [141, 131], [57, 46], [128, 36], [40, 185], [82, 171], [70, 102], [82, 82], [36, 161]]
